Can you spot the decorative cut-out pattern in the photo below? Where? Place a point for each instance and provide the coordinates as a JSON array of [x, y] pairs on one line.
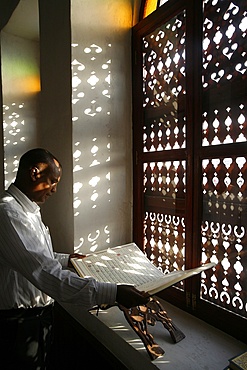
[[165, 179], [164, 232], [224, 232], [164, 129], [164, 86], [225, 178], [164, 241], [224, 124], [221, 108], [141, 317], [224, 72]]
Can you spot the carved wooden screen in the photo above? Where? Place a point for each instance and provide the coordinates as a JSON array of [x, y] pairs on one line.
[[164, 130], [224, 169], [190, 170]]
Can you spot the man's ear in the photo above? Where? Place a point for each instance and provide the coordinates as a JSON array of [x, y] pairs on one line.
[[34, 173]]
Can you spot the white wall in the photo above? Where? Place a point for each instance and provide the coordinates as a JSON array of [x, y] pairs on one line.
[[21, 86], [102, 124]]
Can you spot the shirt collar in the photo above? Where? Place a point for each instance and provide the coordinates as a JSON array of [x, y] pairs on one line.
[[21, 198]]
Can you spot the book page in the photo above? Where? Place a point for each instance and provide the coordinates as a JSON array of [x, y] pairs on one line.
[[127, 264]]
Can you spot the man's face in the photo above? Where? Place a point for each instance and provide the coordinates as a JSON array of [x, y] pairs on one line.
[[46, 181]]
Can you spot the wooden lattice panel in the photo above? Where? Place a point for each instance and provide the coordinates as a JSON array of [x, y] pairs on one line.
[[224, 72], [164, 86], [222, 106], [165, 179], [164, 240], [164, 128], [224, 237], [164, 230]]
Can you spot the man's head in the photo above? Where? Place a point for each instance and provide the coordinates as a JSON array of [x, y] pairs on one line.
[[38, 174]]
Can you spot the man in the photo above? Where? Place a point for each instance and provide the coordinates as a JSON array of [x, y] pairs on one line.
[[32, 276]]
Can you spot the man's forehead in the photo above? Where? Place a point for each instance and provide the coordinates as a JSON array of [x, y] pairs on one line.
[[51, 167]]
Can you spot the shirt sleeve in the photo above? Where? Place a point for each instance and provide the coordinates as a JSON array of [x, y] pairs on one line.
[[25, 252]]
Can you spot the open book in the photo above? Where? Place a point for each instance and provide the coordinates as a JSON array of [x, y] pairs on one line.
[[127, 264]]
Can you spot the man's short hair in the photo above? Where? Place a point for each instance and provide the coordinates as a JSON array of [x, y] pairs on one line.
[[34, 156]]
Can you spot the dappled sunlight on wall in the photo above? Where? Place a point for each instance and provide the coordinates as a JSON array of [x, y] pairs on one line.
[[14, 138], [101, 114], [91, 85]]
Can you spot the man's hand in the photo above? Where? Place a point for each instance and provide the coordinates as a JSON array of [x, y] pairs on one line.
[[74, 255], [128, 296]]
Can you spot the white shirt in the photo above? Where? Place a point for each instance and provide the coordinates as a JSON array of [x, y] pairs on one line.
[[30, 272]]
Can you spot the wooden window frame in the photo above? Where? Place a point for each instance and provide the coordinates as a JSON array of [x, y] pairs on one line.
[[189, 299]]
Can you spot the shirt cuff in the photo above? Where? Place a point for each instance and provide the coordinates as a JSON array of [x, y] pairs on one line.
[[63, 258], [106, 293]]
